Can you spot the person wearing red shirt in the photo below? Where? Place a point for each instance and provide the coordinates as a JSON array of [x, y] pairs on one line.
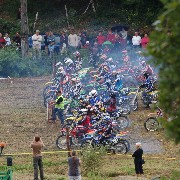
[[111, 37], [100, 38], [2, 41], [144, 41]]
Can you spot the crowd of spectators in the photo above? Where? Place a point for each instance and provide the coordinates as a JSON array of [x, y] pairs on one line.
[[74, 40]]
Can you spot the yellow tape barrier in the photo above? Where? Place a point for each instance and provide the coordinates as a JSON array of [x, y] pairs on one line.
[[125, 155]]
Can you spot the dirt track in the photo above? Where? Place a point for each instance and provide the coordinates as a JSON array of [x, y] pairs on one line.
[[23, 115]]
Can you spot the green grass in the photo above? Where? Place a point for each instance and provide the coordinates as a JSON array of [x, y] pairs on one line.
[[55, 167]]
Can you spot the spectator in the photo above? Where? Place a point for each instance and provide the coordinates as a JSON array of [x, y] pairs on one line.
[[51, 42], [136, 40], [123, 38], [2, 41], [37, 146], [74, 167], [100, 38], [63, 39], [138, 159], [7, 39], [46, 40], [144, 41], [37, 39], [79, 40], [73, 40], [84, 39], [117, 42], [92, 37], [17, 39], [111, 37]]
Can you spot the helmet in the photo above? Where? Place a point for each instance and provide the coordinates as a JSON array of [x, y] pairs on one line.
[[58, 64], [104, 57], [124, 51], [87, 42], [73, 79], [109, 59], [146, 75], [77, 53], [60, 68], [93, 93], [112, 95], [143, 63], [68, 61]]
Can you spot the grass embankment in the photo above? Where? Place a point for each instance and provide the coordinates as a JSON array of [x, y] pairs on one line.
[[55, 166]]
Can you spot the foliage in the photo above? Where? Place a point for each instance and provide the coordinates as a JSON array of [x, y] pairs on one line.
[[165, 48], [175, 176], [8, 27], [92, 160], [52, 15], [11, 64]]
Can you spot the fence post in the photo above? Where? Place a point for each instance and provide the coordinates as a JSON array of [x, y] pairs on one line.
[[47, 111], [67, 141]]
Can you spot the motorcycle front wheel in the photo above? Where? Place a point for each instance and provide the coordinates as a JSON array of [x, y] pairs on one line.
[[151, 124], [120, 148]]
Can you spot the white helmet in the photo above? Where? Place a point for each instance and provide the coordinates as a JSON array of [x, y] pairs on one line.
[[58, 64], [60, 68], [68, 61], [110, 59], [77, 53], [93, 93], [143, 63]]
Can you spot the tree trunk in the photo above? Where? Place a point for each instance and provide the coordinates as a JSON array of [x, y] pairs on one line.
[[24, 29]]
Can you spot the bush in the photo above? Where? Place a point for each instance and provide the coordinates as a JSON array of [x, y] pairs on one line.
[[11, 64], [8, 27], [92, 161]]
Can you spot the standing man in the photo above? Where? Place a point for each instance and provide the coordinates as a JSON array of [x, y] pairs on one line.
[[37, 146], [100, 38], [51, 43], [73, 41], [124, 38], [17, 40], [59, 108], [136, 40], [2, 41], [37, 39]]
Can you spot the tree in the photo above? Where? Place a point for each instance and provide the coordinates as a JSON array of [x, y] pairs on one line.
[[165, 49], [24, 28]]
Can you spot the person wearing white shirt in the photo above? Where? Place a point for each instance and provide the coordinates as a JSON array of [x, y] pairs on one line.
[[7, 39], [136, 40], [73, 40], [37, 39]]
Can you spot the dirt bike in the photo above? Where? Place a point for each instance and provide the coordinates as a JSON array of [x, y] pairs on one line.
[[152, 123], [146, 100], [111, 142]]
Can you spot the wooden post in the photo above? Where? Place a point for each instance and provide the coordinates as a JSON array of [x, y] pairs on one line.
[[67, 16], [53, 66], [67, 141], [47, 111], [35, 22], [24, 29]]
